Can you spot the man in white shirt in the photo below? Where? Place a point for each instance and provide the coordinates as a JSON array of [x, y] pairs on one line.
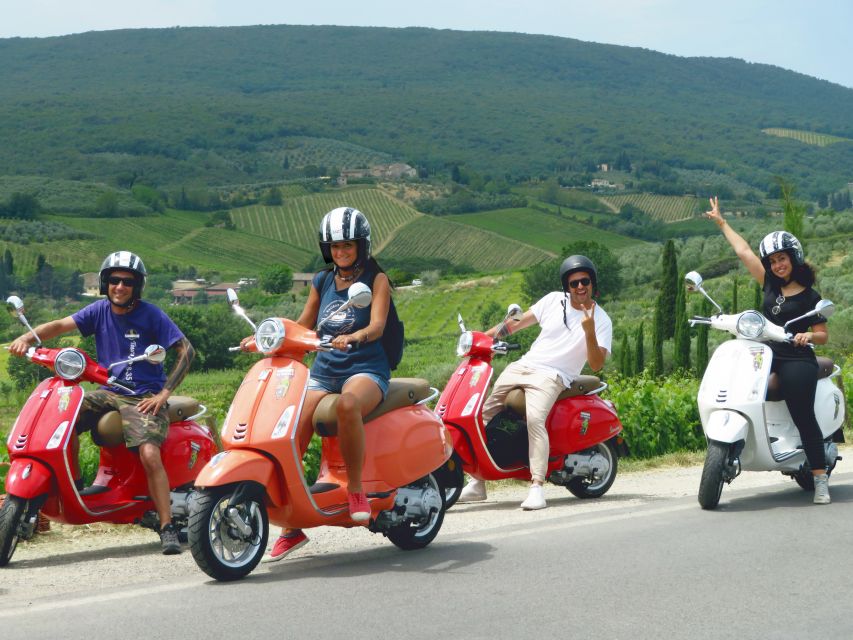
[[575, 331]]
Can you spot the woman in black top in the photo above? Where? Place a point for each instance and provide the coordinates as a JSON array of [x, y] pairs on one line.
[[787, 282]]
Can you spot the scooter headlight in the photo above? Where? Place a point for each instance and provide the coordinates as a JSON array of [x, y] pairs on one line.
[[463, 347], [270, 335], [70, 364], [750, 324]]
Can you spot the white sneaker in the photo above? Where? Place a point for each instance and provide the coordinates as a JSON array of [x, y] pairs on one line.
[[474, 491], [821, 489], [535, 499]]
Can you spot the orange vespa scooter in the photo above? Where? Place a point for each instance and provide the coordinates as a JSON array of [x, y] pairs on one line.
[[259, 478]]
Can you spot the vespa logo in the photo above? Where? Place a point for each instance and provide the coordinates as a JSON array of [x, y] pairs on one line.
[[585, 416], [195, 448]]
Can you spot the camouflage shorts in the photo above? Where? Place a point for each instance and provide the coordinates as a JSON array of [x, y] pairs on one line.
[[138, 427]]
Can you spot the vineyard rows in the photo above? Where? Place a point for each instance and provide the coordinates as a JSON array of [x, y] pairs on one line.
[[663, 208], [808, 137], [298, 219], [462, 244], [329, 153]]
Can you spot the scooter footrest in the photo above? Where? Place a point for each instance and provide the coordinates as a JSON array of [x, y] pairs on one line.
[[323, 487], [94, 490]]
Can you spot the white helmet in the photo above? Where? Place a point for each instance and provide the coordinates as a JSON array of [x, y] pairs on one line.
[[124, 261], [343, 224]]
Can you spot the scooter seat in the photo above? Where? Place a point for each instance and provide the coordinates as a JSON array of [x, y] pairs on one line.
[[181, 408], [580, 386], [109, 431], [402, 392], [825, 367]]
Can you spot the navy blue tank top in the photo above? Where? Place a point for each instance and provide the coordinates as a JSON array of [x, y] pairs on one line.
[[364, 358]]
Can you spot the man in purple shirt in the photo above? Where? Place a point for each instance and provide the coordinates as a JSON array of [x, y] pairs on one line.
[[123, 326]]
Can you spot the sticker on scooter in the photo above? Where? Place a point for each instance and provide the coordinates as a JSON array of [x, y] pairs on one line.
[[64, 397], [757, 357], [585, 416]]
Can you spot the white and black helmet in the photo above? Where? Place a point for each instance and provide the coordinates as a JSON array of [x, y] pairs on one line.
[[781, 241], [343, 224], [123, 261]]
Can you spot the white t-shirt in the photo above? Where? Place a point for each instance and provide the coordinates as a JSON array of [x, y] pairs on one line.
[[560, 349]]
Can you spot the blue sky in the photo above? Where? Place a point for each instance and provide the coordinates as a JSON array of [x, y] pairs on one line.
[[811, 37]]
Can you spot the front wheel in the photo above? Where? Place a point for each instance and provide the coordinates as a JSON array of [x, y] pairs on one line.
[[11, 516], [228, 531], [711, 484], [583, 487], [416, 535]]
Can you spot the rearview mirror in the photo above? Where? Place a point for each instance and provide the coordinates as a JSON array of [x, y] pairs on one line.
[[155, 354], [360, 295], [15, 306], [825, 308], [693, 281]]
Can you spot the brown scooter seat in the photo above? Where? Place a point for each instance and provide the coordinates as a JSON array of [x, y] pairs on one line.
[[824, 370], [402, 392], [109, 431], [580, 386]]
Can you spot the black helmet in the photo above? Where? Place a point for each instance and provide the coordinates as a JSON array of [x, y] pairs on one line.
[[343, 224], [781, 241], [124, 261], [577, 263]]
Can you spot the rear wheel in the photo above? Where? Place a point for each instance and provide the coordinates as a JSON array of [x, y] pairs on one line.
[[11, 516], [455, 477], [711, 484], [595, 488], [228, 540], [416, 535]]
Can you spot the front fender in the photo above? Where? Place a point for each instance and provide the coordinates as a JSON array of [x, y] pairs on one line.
[[726, 426], [241, 465], [28, 478]]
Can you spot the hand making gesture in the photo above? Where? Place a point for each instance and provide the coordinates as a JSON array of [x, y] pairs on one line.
[[588, 322], [714, 213]]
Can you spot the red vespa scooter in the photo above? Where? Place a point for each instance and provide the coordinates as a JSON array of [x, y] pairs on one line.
[[43, 448], [583, 429]]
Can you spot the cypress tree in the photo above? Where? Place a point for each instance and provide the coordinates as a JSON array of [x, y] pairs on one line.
[[682, 332], [625, 356], [669, 290], [657, 342], [734, 294], [639, 356], [702, 339]]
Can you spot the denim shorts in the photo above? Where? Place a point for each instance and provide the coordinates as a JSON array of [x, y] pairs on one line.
[[335, 385]]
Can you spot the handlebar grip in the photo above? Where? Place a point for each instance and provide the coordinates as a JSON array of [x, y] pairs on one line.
[[513, 347]]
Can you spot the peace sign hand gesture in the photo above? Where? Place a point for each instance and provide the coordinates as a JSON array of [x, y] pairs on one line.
[[714, 213], [588, 322]]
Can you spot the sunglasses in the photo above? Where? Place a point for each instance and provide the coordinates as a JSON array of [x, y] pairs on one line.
[[116, 280], [574, 284]]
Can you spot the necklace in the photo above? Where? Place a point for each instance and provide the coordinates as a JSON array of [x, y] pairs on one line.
[[349, 278], [780, 300]]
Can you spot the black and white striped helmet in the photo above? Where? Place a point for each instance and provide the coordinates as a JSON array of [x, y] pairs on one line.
[[123, 261], [781, 241], [342, 224]]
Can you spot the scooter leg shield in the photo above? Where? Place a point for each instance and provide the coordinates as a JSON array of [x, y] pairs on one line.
[[28, 478], [726, 426]]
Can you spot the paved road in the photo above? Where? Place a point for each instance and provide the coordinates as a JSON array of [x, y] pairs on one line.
[[644, 562]]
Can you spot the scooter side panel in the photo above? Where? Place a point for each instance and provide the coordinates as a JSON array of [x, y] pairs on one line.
[[580, 422], [829, 407], [187, 448], [404, 445]]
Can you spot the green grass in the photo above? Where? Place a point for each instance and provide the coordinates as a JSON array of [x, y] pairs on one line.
[[807, 137], [548, 232]]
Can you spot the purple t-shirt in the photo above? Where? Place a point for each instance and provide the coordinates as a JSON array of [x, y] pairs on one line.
[[119, 337]]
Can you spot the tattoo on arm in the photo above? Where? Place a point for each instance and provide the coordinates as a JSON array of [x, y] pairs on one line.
[[185, 354], [503, 330]]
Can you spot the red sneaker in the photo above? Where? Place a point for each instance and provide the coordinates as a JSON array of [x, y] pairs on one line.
[[359, 507], [285, 544]]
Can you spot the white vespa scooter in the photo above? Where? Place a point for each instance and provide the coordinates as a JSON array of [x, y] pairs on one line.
[[746, 421]]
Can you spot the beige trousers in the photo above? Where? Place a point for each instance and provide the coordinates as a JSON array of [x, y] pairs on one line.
[[540, 392]]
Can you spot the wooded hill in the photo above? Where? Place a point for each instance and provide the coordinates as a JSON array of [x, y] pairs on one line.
[[247, 104]]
